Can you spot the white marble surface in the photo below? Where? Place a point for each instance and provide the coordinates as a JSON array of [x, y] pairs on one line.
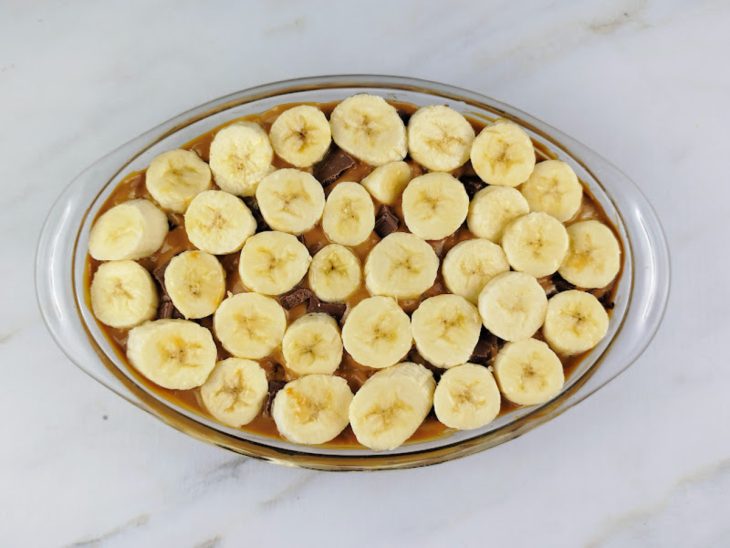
[[644, 462]]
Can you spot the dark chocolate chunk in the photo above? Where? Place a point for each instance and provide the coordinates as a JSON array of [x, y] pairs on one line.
[[472, 185], [253, 205], [159, 275], [606, 301], [295, 297], [386, 222], [415, 357], [274, 387], [334, 164], [561, 284], [167, 310], [486, 348], [336, 310], [405, 116]]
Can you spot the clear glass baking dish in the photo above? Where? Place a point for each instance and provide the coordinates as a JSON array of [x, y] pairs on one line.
[[639, 305]]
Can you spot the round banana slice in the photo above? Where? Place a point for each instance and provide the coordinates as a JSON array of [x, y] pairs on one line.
[[536, 244], [446, 329], [273, 262], [313, 409], [492, 209], [528, 372], [175, 354], [512, 306], [235, 391], [301, 135], [502, 154], [349, 215], [401, 265], [196, 283], [434, 205], [218, 222], [335, 273], [377, 333], [123, 294], [369, 128], [594, 255], [466, 397], [554, 189], [415, 371], [176, 177], [312, 344], [130, 230], [290, 200], [240, 156], [439, 138], [249, 325], [386, 183], [575, 322], [470, 264]]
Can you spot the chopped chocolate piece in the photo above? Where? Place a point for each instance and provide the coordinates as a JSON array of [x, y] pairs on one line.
[[159, 275], [167, 310], [606, 301], [334, 164], [561, 284], [295, 297], [472, 185], [386, 222], [486, 348], [336, 310], [253, 205], [405, 116], [415, 357], [274, 387]]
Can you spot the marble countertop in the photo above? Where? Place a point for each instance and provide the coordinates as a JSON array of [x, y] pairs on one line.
[[644, 462]]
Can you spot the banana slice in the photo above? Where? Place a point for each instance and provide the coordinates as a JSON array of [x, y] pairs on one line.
[[312, 344], [377, 333], [369, 128], [391, 405], [196, 283], [249, 325], [235, 391], [502, 154], [513, 305], [313, 409], [176, 177], [434, 205], [301, 135], [528, 372], [554, 189], [594, 255], [575, 322], [401, 265], [290, 200], [349, 215], [218, 222], [175, 354], [386, 183], [130, 230], [446, 329], [492, 209], [240, 156], [335, 273], [536, 244], [470, 264], [439, 138], [273, 262], [123, 294], [466, 397]]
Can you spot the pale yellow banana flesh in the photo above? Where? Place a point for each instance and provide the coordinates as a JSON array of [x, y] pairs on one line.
[[273, 262], [240, 156], [235, 391], [349, 214], [434, 205], [123, 294], [469, 265], [301, 135], [218, 222], [528, 372], [439, 138], [594, 255], [312, 344], [290, 200], [467, 397], [335, 273], [575, 322], [553, 188], [174, 178], [513, 306], [536, 243], [196, 283]]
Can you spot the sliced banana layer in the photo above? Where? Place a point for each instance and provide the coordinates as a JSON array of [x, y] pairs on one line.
[[130, 230], [235, 391], [575, 322], [369, 128], [513, 305], [175, 354], [273, 262], [377, 333], [492, 209], [312, 344], [218, 222], [386, 183], [240, 156], [470, 264], [176, 177], [196, 283], [536, 244], [335, 273], [313, 409], [439, 138], [123, 294], [502, 154], [349, 215], [434, 205], [401, 265], [554, 189], [301, 135], [290, 200], [594, 255], [249, 325], [466, 397], [446, 329], [528, 372]]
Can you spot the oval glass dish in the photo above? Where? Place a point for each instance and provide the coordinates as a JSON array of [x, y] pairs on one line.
[[640, 298]]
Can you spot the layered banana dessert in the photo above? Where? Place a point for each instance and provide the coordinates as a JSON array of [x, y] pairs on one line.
[[360, 273]]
